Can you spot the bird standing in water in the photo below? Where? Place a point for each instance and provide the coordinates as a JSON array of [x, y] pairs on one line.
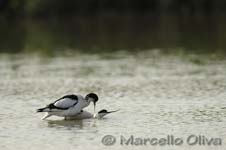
[[69, 105]]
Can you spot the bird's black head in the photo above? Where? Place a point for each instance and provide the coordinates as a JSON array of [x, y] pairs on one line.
[[92, 96]]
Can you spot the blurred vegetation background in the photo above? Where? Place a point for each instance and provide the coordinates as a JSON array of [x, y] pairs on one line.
[[65, 7], [109, 25]]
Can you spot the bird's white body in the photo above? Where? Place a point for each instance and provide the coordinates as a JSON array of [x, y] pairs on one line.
[[83, 115], [82, 103], [87, 115], [69, 105]]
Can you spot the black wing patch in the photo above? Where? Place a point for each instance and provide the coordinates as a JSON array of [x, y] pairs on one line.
[[73, 97], [52, 106]]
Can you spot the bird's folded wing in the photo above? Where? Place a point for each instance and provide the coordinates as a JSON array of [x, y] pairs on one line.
[[65, 103]]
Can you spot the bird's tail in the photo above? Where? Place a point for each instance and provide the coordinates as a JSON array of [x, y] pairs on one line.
[[45, 109]]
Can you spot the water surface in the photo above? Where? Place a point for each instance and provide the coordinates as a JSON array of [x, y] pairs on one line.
[[158, 94]]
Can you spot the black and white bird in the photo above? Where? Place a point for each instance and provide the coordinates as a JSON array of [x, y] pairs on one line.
[[87, 115], [69, 105]]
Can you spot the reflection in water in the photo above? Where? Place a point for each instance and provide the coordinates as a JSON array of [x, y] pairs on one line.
[[65, 123], [72, 124]]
